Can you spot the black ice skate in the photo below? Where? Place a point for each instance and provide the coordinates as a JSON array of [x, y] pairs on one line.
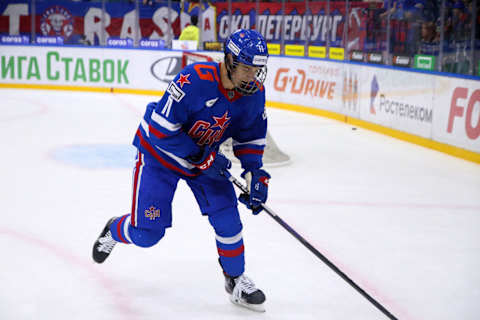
[[243, 292], [104, 244]]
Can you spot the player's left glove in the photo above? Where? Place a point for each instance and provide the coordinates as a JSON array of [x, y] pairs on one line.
[[257, 184], [212, 163]]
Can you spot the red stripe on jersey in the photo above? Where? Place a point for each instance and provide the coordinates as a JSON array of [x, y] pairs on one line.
[[152, 151], [231, 253], [247, 151], [157, 133], [135, 189], [119, 229]]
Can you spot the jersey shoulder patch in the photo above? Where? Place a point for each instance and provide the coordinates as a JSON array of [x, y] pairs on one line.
[[175, 92]]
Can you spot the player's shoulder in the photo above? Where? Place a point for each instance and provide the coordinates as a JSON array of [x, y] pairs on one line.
[[196, 78], [202, 73], [194, 81]]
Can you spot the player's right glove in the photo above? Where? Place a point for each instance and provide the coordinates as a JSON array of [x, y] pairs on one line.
[[257, 185], [212, 163]]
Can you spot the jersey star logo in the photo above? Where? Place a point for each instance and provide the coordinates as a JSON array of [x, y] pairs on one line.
[[221, 121], [183, 80]]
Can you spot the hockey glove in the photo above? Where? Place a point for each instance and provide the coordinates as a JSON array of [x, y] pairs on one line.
[[212, 163], [257, 185]]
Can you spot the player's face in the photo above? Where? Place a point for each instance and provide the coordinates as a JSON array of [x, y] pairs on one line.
[[244, 73]]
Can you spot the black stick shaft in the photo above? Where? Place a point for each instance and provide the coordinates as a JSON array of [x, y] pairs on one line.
[[317, 253]]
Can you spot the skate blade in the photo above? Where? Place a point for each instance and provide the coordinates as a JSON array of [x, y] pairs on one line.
[[253, 307]]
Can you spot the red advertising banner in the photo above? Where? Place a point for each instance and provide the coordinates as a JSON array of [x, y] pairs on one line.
[[88, 23]]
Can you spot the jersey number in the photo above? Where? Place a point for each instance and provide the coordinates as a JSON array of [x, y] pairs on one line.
[[168, 106], [206, 72]]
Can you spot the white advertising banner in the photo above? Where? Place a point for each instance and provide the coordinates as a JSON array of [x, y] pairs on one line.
[[458, 120], [119, 68], [444, 109], [397, 99], [306, 82]]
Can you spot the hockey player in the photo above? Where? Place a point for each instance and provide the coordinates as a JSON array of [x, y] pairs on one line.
[[179, 138]]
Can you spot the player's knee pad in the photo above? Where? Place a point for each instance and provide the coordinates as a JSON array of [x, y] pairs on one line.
[[226, 222], [145, 237]]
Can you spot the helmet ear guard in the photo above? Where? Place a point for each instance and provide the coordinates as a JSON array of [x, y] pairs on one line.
[[249, 48]]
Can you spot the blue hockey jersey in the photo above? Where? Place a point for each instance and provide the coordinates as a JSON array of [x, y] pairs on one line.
[[196, 110]]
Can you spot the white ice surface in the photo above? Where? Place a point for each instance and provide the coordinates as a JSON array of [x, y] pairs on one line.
[[401, 220]]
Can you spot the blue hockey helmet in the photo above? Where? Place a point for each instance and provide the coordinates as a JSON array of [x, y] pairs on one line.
[[249, 48]]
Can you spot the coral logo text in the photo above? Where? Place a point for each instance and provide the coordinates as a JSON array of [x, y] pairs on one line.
[[152, 213], [463, 98], [57, 21], [299, 83]]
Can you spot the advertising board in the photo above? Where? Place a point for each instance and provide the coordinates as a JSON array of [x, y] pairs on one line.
[[305, 82], [458, 120], [120, 68], [397, 99], [443, 109]]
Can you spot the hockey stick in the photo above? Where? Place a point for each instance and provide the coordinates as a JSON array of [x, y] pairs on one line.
[[312, 249]]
